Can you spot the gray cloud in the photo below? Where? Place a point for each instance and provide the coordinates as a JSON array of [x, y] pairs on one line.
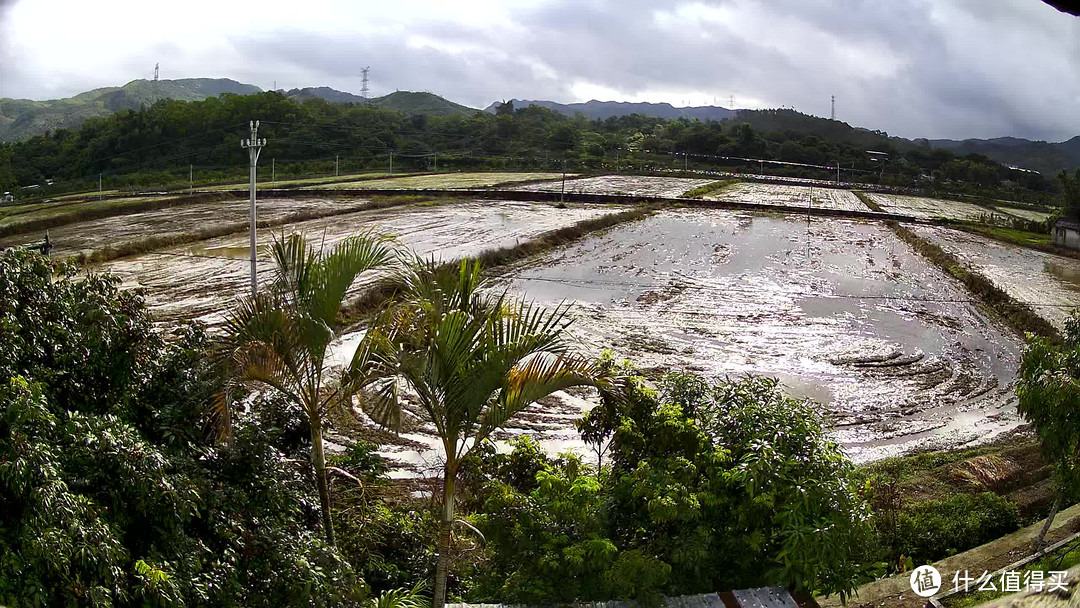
[[934, 68]]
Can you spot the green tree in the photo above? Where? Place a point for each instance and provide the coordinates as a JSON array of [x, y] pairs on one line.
[[1070, 190], [279, 338], [472, 360], [112, 493], [1049, 394]]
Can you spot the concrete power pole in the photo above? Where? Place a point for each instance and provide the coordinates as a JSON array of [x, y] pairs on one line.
[[191, 179], [335, 165], [254, 146], [833, 115]]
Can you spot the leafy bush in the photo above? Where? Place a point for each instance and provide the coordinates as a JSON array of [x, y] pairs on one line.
[[709, 487], [934, 529], [112, 494]]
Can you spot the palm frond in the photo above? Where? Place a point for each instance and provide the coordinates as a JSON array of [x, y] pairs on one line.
[[402, 598], [337, 270]]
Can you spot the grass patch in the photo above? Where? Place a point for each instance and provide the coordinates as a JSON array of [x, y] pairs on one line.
[[1016, 314], [1047, 564], [866, 200], [153, 243], [702, 191]]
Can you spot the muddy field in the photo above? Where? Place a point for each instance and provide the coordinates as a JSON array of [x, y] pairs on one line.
[[200, 281], [445, 181], [100, 233], [1049, 283], [930, 208], [628, 185], [790, 196], [842, 312], [1027, 214]]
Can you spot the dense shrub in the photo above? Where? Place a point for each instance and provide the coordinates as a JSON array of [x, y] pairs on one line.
[[934, 529], [111, 492], [708, 487]]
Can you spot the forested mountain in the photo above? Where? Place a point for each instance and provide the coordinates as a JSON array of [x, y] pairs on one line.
[[1045, 157], [599, 110], [406, 102], [156, 145], [22, 118]]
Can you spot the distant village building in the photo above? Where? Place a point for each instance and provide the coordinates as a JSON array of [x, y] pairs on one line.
[[1067, 234]]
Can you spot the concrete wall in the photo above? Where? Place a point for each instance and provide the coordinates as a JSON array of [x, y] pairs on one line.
[[1066, 237]]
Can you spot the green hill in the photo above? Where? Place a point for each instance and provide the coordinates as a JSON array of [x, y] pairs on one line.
[[23, 118], [411, 102]]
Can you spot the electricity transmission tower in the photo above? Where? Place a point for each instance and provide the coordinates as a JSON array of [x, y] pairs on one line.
[[833, 114], [254, 146], [156, 71], [364, 83]]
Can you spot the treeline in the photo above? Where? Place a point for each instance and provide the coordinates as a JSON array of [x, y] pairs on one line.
[[158, 145]]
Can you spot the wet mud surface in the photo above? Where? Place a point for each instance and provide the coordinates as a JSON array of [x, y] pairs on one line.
[[201, 280], [1049, 283], [629, 185], [930, 208], [841, 312], [444, 181], [100, 233], [791, 196]]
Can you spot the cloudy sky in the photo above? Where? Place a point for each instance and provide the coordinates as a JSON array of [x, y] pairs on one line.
[[915, 68]]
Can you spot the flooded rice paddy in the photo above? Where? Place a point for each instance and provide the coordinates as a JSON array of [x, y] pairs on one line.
[[201, 281], [929, 208], [100, 233], [1049, 283], [790, 196], [627, 185], [840, 311], [444, 181]]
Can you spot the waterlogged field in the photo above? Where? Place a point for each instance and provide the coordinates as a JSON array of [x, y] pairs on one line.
[[265, 182], [627, 185], [101, 233], [842, 312], [928, 208], [445, 181], [12, 216], [1048, 283], [202, 280], [1027, 214], [789, 196]]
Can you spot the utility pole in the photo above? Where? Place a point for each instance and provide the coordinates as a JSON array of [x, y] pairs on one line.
[[273, 171], [191, 179], [685, 160], [335, 165], [391, 162], [99, 186], [562, 192], [617, 150], [254, 146], [436, 155], [838, 170]]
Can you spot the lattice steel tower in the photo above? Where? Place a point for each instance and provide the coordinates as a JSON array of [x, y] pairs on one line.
[[364, 82]]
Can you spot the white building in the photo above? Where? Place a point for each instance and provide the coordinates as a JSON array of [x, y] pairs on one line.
[[1066, 234]]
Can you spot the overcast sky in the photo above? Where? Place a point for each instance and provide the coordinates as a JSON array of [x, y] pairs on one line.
[[915, 68]]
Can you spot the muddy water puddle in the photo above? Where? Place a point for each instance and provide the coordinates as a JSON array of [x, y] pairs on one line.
[[111, 231], [1048, 283], [629, 185], [841, 311], [200, 281]]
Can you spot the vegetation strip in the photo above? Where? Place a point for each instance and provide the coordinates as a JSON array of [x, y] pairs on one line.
[[1016, 314], [153, 243], [701, 191], [866, 200], [104, 211], [373, 298]]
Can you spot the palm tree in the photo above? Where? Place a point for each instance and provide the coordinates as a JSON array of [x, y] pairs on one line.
[[472, 360], [279, 338]]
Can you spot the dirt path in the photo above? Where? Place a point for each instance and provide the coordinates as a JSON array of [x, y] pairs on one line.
[[895, 592]]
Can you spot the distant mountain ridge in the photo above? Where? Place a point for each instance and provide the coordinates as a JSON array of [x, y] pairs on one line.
[[602, 110], [23, 118], [1045, 157]]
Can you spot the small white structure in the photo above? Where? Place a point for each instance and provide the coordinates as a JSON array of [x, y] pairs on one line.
[[1066, 234]]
